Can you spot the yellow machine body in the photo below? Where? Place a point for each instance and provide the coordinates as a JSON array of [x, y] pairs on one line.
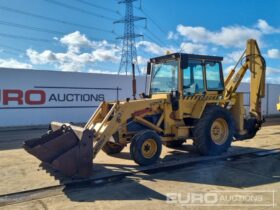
[[184, 90]]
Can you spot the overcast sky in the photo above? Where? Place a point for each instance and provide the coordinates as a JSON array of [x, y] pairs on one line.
[[73, 35]]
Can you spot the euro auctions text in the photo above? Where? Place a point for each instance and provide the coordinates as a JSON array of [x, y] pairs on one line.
[[223, 198]]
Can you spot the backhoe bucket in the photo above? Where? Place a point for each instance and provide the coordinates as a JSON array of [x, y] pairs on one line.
[[67, 149]]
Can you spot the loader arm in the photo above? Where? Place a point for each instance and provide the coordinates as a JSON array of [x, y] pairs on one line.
[[70, 149], [116, 118], [251, 60]]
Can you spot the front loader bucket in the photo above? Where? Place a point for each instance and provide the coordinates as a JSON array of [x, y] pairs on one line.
[[64, 151]]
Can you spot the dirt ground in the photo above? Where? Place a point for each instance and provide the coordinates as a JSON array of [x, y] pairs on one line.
[[256, 175]]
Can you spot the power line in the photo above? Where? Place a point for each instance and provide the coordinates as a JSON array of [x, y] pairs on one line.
[[152, 39], [156, 37], [155, 40], [7, 52], [30, 27], [11, 36], [154, 22], [79, 10], [11, 48], [52, 19], [97, 6], [41, 29]]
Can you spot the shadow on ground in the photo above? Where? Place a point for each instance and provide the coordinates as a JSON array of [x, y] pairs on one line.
[[237, 172], [13, 139]]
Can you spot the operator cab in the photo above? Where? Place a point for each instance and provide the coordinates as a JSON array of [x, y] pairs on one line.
[[188, 74]]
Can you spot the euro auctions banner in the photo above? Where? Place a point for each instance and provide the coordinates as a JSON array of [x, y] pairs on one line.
[[35, 97], [55, 97], [52, 97]]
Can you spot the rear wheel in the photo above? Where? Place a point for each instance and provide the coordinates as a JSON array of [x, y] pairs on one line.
[[213, 133], [145, 147]]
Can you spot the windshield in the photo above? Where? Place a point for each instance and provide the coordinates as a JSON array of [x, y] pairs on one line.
[[164, 77]]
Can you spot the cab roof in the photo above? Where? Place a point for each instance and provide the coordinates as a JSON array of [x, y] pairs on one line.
[[185, 57]]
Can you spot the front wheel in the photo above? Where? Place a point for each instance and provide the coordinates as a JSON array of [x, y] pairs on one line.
[[145, 147], [213, 133]]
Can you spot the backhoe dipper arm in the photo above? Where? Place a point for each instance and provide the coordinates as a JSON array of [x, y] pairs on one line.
[[253, 61]]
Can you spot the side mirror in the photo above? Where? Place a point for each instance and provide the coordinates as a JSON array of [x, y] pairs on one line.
[[149, 68]]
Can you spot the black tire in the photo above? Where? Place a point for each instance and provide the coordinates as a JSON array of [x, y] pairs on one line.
[[203, 140], [174, 144], [142, 139], [251, 126], [111, 148]]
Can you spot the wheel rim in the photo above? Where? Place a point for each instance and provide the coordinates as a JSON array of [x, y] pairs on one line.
[[219, 131], [149, 148]]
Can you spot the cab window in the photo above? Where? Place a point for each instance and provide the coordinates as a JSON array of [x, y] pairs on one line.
[[193, 78], [165, 77], [214, 78]]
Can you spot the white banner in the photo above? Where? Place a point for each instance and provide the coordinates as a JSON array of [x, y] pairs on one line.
[[33, 97]]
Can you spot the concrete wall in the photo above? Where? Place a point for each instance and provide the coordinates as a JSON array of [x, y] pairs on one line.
[[272, 93], [33, 97]]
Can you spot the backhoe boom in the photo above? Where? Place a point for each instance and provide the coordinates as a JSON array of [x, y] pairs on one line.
[[254, 62]]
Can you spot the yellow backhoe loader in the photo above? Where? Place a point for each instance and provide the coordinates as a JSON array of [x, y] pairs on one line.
[[188, 98]]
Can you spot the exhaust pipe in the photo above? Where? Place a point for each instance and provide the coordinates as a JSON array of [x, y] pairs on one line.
[[68, 149]]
